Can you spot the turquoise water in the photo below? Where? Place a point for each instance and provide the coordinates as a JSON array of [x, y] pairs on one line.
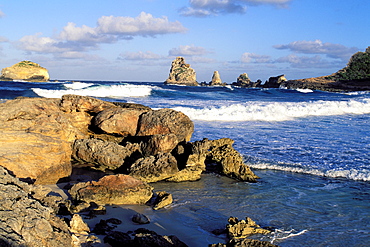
[[310, 148]]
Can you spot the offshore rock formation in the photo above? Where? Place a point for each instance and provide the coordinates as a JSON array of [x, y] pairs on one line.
[[25, 70], [275, 81], [244, 81], [181, 73], [216, 79]]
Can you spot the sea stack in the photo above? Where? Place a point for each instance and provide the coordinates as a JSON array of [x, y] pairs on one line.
[[181, 73], [25, 70], [216, 79]]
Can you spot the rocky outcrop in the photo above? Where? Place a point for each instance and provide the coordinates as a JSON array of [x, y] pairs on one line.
[[24, 220], [165, 121], [275, 81], [113, 189], [244, 82], [181, 73], [25, 70], [216, 79]]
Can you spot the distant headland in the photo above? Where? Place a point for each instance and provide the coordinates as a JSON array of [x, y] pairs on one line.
[[25, 70]]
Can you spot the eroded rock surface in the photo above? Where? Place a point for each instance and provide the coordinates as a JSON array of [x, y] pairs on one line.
[[181, 73]]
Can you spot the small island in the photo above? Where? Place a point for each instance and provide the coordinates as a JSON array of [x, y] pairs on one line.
[[25, 70]]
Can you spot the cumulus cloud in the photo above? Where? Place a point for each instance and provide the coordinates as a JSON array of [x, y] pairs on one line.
[[73, 39], [139, 55], [188, 50], [331, 50], [202, 8], [255, 58]]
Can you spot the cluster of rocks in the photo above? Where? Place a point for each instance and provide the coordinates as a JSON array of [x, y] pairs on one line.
[[25, 70], [129, 146]]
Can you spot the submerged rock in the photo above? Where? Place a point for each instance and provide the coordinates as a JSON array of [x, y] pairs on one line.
[[181, 73], [25, 70]]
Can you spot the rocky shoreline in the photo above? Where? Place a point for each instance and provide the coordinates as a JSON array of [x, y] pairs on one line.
[[101, 153]]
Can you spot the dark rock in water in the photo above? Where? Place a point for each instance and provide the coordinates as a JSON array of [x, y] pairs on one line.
[[118, 239], [103, 228], [24, 220], [144, 237], [166, 121], [275, 82], [140, 219], [154, 168], [113, 189], [181, 73], [162, 199], [105, 155]]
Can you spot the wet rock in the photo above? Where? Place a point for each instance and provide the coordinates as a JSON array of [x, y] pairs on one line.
[[144, 237], [243, 228], [24, 220], [140, 219], [181, 73], [154, 168], [162, 200], [118, 239], [119, 121], [105, 155], [244, 243], [166, 121], [113, 189]]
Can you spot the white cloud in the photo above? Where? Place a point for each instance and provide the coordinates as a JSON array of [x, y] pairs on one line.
[[73, 40], [255, 58], [1, 14], [139, 55], [143, 25], [337, 51], [3, 39], [202, 8], [188, 50]]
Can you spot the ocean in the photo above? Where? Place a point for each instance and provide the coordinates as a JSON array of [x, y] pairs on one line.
[[311, 150]]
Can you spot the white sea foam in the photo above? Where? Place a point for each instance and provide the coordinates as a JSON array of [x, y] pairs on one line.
[[276, 111], [283, 234], [111, 91], [77, 85], [304, 90], [353, 174]]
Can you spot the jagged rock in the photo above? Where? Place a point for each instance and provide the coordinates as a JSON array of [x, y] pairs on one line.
[[154, 168], [244, 81], [77, 225], [245, 243], [230, 161], [181, 73], [119, 121], [113, 189], [243, 228], [275, 82], [166, 121], [152, 145], [216, 79], [105, 155], [162, 200], [25, 70], [144, 237], [140, 219], [24, 220], [118, 239]]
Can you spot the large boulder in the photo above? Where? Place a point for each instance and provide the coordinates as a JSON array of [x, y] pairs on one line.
[[118, 121], [103, 154], [154, 144], [181, 73], [166, 121], [25, 70], [154, 168], [113, 189], [24, 220]]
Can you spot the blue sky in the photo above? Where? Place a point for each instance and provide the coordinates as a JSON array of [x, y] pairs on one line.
[[137, 40]]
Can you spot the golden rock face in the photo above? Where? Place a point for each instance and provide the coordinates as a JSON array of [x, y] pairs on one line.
[[25, 70]]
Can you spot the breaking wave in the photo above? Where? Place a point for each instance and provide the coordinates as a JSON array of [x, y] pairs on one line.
[[103, 91], [276, 111]]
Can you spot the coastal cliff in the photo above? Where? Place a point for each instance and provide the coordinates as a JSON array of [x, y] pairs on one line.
[[25, 70]]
